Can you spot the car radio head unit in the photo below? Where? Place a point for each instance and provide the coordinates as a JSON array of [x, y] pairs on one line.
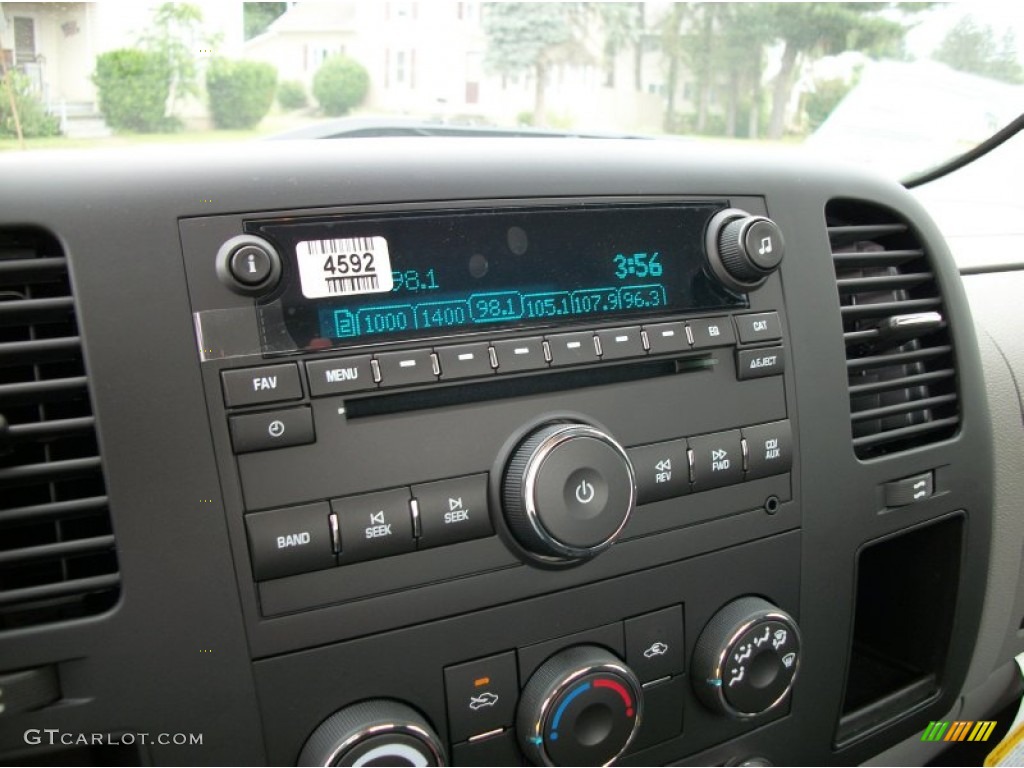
[[358, 280]]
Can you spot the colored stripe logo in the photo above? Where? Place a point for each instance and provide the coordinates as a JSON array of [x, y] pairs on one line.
[[959, 730]]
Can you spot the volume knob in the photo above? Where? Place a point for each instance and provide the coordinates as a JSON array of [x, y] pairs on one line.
[[743, 250], [568, 492]]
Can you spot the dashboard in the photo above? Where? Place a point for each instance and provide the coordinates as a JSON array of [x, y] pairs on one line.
[[497, 452]]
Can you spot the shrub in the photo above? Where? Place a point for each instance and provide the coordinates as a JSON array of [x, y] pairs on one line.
[[291, 94], [823, 100], [133, 87], [340, 84], [33, 118], [240, 92]]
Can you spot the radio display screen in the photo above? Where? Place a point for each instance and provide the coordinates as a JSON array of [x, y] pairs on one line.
[[365, 280]]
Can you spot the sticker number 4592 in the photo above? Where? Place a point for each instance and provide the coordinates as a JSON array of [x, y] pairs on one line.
[[344, 267]]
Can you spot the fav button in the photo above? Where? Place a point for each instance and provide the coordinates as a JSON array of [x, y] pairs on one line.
[[283, 542], [453, 510], [374, 525], [481, 695], [266, 384], [717, 460]]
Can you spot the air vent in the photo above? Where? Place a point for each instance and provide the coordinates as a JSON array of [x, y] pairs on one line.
[[57, 556], [899, 356]]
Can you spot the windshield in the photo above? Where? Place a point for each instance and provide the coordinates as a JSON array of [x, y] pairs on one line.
[[896, 86]]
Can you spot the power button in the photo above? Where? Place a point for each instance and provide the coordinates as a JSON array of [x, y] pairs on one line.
[[569, 490]]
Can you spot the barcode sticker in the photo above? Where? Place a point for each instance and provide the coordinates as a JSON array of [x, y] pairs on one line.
[[345, 267]]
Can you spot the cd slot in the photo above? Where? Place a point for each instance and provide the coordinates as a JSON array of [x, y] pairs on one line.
[[500, 388]]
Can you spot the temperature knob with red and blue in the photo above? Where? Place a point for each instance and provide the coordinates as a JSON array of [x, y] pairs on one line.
[[581, 707]]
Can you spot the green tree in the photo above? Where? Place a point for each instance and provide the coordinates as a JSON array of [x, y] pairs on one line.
[[132, 86], [807, 29], [32, 115], [532, 37], [340, 84], [672, 48], [256, 17], [175, 34], [972, 47], [822, 101], [622, 27], [240, 92], [745, 32]]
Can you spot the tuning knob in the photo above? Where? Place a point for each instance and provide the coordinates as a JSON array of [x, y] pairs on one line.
[[743, 250], [746, 659], [581, 707], [375, 732], [568, 492]]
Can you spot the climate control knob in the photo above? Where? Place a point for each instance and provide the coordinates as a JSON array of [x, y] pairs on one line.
[[746, 659], [743, 250], [581, 707], [375, 732], [568, 492]]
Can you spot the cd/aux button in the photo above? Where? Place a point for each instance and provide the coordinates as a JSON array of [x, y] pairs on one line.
[[374, 525]]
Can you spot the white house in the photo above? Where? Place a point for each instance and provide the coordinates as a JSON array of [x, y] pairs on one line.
[[56, 44]]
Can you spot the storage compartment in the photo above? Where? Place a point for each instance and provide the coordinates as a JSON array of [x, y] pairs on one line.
[[904, 610]]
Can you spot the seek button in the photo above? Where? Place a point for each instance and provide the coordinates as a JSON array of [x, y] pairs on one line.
[[374, 525], [453, 510]]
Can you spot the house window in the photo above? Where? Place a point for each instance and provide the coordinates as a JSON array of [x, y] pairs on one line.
[[322, 53], [400, 67], [24, 40]]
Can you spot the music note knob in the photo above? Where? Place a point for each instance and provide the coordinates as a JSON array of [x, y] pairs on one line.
[[742, 249]]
